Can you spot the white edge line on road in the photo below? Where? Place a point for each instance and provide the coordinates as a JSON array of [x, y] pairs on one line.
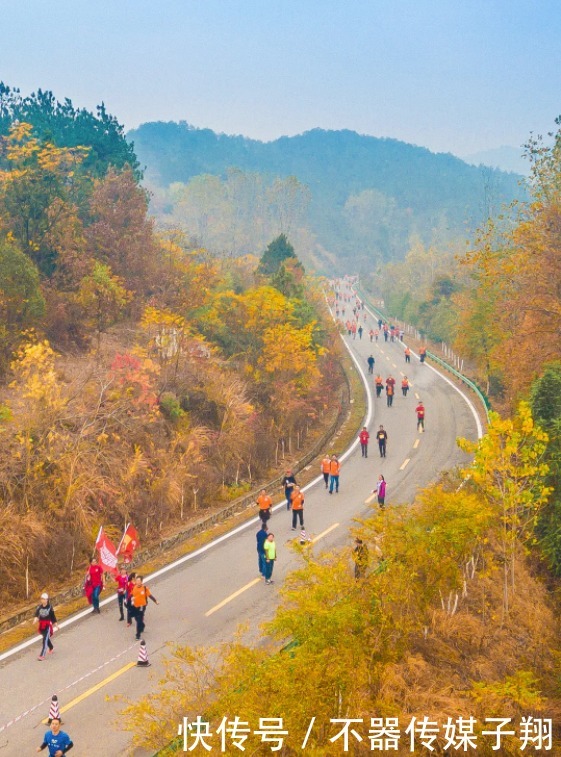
[[192, 555]]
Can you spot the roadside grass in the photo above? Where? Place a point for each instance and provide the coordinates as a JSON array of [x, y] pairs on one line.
[[340, 441]]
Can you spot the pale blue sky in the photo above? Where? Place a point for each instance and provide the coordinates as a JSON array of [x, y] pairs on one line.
[[452, 75]]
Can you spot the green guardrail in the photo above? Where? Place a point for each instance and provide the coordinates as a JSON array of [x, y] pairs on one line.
[[468, 382]]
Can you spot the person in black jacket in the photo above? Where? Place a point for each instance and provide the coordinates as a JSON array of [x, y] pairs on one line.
[[288, 482], [46, 619]]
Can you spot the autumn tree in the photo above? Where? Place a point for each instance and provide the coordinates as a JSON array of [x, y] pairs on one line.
[[21, 302], [119, 232], [277, 252], [103, 298], [510, 472], [545, 400], [37, 175], [66, 126]]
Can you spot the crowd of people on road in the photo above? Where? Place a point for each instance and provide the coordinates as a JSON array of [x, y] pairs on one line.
[[133, 594], [346, 303]]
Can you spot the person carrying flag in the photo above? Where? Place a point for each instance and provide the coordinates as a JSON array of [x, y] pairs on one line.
[[129, 543]]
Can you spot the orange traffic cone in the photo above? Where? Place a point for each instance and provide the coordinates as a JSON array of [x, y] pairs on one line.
[[142, 656], [54, 711]]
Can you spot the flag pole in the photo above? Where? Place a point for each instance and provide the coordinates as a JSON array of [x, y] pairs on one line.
[[96, 541], [122, 538]]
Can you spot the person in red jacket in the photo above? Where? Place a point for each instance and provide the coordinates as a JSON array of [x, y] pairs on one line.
[[94, 584], [122, 581], [364, 436], [420, 410]]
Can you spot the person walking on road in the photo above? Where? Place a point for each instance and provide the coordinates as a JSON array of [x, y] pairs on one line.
[[379, 382], [288, 482], [371, 362], [122, 581], [334, 471], [45, 619], [382, 438], [420, 410], [270, 556], [381, 491], [56, 741], [297, 508], [404, 386], [364, 436], [265, 503], [422, 354], [261, 538], [94, 584], [128, 599], [360, 557], [407, 355], [325, 466], [140, 596], [389, 394], [360, 330]]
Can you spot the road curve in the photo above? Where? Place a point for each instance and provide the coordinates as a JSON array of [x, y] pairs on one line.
[[204, 597]]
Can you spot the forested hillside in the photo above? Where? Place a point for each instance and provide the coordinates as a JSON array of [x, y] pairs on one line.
[[352, 201], [140, 379]]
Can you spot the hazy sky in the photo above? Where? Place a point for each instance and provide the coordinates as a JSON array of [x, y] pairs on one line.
[[452, 75]]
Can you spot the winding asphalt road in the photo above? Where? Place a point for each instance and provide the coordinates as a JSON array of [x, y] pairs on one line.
[[205, 596]]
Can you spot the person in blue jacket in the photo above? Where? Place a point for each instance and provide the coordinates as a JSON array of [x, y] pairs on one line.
[[261, 537], [56, 741]]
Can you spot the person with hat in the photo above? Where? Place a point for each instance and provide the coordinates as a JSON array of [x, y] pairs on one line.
[[46, 620], [56, 741]]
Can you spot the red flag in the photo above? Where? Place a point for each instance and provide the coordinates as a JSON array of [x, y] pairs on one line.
[[129, 543], [107, 553]]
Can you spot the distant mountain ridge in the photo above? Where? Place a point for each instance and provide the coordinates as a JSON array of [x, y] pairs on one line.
[[369, 195], [504, 158]]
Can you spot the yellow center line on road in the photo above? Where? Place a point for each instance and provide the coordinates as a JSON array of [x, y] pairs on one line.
[[324, 533], [394, 365], [232, 596], [416, 443], [388, 358], [95, 688], [417, 396], [405, 463], [370, 499], [401, 373]]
